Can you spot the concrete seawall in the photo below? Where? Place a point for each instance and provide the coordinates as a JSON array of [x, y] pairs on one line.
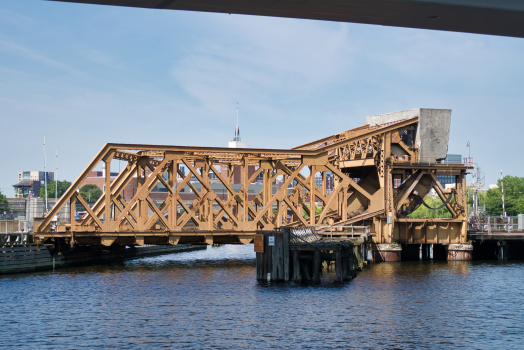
[[21, 258]]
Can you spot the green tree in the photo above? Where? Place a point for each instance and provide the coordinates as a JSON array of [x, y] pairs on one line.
[[4, 204], [423, 212], [90, 193], [318, 211], [513, 197], [62, 187]]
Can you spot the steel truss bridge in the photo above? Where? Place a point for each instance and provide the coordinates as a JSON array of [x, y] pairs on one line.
[[364, 162]]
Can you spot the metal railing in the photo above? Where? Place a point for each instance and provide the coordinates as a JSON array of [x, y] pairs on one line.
[[494, 224], [305, 234], [449, 161], [8, 226], [355, 230], [310, 234]]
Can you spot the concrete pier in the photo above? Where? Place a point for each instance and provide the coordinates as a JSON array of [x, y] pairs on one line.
[[459, 251], [386, 252]]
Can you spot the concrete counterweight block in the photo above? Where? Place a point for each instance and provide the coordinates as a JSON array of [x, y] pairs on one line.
[[386, 252], [459, 251]]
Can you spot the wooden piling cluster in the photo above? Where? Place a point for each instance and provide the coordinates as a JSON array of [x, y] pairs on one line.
[[273, 263], [281, 260]]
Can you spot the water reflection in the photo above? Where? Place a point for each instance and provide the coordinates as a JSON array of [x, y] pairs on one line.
[[210, 299]]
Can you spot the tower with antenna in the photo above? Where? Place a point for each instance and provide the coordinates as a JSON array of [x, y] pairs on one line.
[[237, 143]]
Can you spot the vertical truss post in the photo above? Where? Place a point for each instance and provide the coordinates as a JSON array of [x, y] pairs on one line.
[[344, 203], [173, 213], [324, 184], [229, 176], [209, 201], [279, 213], [389, 205], [246, 189], [140, 203], [107, 191], [72, 209], [462, 200], [265, 187], [312, 195], [269, 193]]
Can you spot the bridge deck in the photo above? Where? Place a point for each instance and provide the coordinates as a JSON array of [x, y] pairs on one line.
[[493, 17], [497, 236]]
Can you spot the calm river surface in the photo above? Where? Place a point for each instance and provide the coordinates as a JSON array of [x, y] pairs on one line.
[[210, 299]]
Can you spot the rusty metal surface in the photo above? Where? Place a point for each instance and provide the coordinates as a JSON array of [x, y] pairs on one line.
[[236, 215]]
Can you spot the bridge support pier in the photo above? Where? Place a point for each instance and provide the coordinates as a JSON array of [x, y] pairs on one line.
[[386, 252], [459, 251]]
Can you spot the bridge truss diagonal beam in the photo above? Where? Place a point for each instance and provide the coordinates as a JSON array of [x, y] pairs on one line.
[[296, 199]]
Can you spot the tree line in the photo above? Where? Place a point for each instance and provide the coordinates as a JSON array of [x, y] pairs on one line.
[[89, 193]]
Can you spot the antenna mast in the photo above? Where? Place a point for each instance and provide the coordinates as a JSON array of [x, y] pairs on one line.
[[56, 175], [237, 130], [502, 188]]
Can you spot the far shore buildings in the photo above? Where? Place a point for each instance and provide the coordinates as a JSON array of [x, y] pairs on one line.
[[30, 183]]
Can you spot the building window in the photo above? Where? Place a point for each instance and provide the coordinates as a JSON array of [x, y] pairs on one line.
[[397, 181], [446, 179]]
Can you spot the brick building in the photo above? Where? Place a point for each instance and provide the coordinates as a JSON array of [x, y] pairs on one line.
[[36, 180]]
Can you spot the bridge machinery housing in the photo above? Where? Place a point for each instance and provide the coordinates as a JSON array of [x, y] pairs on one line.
[[382, 171]]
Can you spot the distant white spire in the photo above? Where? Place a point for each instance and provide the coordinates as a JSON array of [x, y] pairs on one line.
[[237, 129], [237, 143]]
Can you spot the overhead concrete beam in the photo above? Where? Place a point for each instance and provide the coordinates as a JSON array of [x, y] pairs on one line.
[[494, 17]]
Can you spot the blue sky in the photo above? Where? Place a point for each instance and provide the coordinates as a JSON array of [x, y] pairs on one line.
[[84, 75]]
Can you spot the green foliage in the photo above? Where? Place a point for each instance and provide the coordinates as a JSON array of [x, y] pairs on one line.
[[318, 211], [423, 212], [513, 197], [62, 187], [4, 204], [90, 193]]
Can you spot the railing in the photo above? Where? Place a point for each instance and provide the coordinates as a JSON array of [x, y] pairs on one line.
[[305, 234], [7, 226], [449, 161], [310, 234], [494, 224], [327, 230]]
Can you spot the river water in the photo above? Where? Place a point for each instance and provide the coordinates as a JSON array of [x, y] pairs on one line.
[[211, 300]]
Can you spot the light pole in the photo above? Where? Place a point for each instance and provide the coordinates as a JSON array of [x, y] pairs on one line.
[[45, 179], [56, 175]]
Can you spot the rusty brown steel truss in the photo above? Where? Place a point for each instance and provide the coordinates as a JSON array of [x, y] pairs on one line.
[[360, 160]]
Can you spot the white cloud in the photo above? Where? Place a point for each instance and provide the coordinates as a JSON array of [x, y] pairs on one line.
[[104, 59], [20, 50], [266, 57]]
